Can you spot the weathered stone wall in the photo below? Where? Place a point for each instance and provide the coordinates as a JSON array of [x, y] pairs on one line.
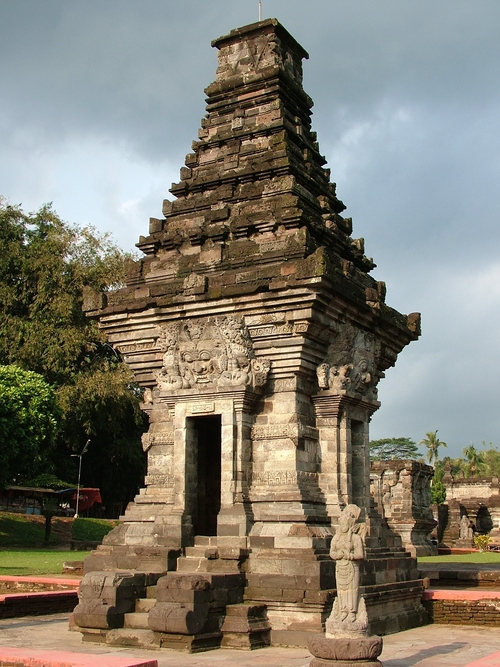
[[464, 612], [401, 490], [477, 499], [461, 488]]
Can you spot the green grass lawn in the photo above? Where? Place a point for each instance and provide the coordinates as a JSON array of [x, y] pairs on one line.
[[17, 563], [22, 530], [92, 530], [477, 557], [21, 538]]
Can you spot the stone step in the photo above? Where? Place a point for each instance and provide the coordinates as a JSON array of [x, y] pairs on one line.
[[132, 637], [151, 592], [204, 541], [143, 605], [221, 541], [190, 564], [136, 620], [200, 552], [207, 565]]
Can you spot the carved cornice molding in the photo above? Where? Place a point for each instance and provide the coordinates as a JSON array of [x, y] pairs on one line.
[[328, 404]]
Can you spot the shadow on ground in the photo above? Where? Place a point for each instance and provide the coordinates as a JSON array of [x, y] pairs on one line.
[[414, 659]]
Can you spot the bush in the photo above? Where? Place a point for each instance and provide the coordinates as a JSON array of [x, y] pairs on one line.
[[481, 542], [91, 530]]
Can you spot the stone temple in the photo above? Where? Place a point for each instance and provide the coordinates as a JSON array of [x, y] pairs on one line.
[[259, 337]]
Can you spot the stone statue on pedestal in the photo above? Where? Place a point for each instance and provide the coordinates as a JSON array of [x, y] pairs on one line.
[[346, 638], [347, 550]]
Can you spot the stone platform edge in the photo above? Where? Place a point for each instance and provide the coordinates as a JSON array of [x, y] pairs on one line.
[[39, 603], [56, 581], [15, 657]]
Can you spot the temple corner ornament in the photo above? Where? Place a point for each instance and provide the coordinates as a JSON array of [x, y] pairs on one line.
[[352, 366]]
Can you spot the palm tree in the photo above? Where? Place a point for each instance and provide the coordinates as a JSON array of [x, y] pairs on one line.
[[433, 443], [474, 459]]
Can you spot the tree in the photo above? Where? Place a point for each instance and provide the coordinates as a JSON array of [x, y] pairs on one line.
[[49, 510], [474, 460], [46, 265], [433, 443], [28, 423], [438, 493], [393, 448], [491, 461]]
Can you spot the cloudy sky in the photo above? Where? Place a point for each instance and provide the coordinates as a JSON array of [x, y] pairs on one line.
[[102, 98]]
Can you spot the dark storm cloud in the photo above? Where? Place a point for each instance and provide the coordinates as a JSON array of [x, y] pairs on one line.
[[101, 100]]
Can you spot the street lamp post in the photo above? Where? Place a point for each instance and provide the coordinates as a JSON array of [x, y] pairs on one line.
[[79, 475]]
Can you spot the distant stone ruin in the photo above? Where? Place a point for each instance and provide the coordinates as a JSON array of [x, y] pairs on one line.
[[259, 338], [472, 507], [401, 490]]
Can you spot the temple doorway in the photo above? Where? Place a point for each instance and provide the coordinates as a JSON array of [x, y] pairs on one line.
[[208, 473]]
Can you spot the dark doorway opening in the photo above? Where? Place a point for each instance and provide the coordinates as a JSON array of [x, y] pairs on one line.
[[484, 522], [208, 430]]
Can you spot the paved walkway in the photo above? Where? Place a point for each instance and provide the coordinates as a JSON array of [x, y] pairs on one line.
[[428, 646]]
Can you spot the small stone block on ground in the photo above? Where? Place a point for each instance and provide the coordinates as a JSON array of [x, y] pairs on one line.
[[40, 658]]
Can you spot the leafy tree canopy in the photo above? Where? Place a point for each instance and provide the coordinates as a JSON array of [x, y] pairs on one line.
[[48, 481], [46, 264], [393, 448], [28, 423], [438, 492], [475, 462]]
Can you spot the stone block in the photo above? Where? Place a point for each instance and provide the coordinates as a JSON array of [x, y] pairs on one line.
[[182, 595], [246, 627], [96, 613], [176, 619]]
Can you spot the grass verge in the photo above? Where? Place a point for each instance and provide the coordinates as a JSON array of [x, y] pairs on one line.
[[478, 557], [17, 563], [22, 530]]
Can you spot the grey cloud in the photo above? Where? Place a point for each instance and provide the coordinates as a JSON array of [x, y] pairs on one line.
[[407, 102]]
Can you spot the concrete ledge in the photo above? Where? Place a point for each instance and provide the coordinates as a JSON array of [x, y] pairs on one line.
[[19, 657], [433, 594], [49, 581], [460, 575]]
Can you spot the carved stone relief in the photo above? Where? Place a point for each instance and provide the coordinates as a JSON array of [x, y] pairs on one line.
[[165, 480], [351, 363], [283, 477], [283, 431], [208, 353], [150, 439]]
